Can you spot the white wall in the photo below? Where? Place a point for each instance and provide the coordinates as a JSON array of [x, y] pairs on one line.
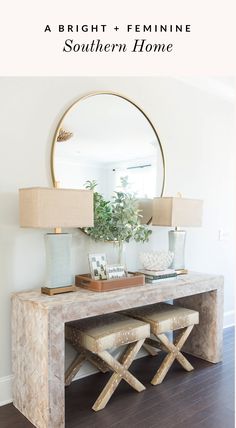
[[195, 126]]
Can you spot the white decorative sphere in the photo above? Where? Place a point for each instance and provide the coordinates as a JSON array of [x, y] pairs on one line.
[[156, 260]]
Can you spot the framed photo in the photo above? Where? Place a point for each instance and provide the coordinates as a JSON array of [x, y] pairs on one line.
[[98, 266], [116, 271]]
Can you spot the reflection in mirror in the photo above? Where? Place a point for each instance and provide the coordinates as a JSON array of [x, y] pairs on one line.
[[107, 138]]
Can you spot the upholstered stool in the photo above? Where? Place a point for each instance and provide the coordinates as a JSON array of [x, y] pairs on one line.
[[93, 337], [164, 318]]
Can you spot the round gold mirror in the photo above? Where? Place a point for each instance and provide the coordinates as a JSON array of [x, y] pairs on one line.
[[106, 138]]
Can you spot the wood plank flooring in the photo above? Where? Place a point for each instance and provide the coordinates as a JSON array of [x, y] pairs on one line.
[[202, 398]]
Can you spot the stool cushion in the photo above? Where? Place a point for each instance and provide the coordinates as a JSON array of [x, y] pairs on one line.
[[106, 331], [164, 317]]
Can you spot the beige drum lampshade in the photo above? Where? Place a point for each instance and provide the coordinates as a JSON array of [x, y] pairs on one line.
[[42, 207], [169, 211], [145, 207]]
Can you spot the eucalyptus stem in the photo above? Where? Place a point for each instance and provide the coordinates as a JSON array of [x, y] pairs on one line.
[[117, 219]]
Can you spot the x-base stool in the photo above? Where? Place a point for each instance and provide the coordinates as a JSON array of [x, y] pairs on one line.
[[94, 337], [163, 318]]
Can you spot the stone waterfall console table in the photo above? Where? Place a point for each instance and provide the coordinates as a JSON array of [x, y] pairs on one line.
[[38, 344]]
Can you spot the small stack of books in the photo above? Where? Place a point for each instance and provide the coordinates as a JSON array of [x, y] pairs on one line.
[[153, 276]]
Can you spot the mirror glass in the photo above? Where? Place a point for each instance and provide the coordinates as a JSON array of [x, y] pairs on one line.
[[107, 138]]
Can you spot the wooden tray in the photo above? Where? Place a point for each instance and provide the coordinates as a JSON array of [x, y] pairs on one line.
[[85, 281]]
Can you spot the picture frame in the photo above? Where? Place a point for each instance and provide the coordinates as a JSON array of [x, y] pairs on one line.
[[98, 266], [116, 271]]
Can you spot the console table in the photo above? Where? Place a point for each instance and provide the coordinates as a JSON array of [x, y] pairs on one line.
[[38, 345]]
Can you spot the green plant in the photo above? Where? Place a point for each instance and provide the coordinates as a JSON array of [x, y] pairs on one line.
[[116, 220]]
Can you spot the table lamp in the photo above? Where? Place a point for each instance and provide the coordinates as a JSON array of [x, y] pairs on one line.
[[177, 212], [46, 208], [145, 207]]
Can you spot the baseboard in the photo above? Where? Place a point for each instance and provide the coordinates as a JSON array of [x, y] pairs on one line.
[[88, 370], [229, 319], [5, 390]]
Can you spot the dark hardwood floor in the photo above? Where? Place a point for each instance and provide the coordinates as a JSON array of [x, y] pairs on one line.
[[202, 398]]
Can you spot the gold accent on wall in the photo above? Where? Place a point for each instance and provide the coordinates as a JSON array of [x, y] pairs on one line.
[[73, 105], [64, 135]]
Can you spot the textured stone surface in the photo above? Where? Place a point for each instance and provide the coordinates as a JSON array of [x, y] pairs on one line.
[[30, 360], [206, 338], [38, 334]]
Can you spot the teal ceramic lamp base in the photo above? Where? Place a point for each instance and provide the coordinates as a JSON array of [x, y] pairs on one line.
[[177, 246], [58, 260]]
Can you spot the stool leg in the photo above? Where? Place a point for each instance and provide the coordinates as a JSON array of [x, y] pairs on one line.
[[74, 368], [162, 371], [173, 350], [97, 362], [179, 342], [150, 350], [184, 362], [154, 344], [84, 355], [121, 372], [92, 358]]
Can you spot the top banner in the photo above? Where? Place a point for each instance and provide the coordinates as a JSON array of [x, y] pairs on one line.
[[118, 38]]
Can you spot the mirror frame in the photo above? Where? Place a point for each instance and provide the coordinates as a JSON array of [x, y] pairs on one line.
[[91, 94]]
